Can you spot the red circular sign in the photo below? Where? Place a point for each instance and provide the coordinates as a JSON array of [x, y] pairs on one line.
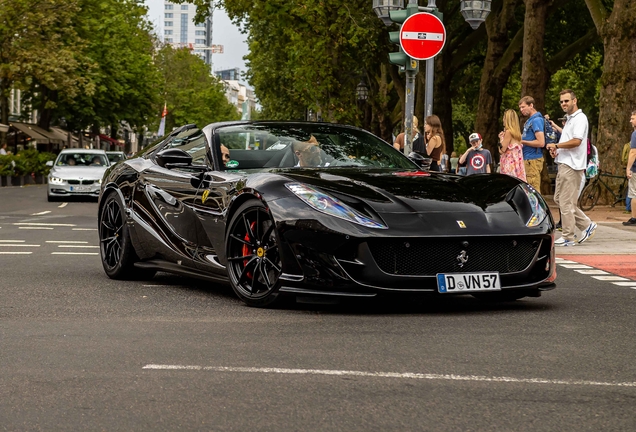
[[422, 36]]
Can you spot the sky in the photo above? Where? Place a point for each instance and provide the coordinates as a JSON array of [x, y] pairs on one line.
[[224, 33]]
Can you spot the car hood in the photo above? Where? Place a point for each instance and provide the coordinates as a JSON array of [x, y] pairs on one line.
[[414, 191], [81, 172]]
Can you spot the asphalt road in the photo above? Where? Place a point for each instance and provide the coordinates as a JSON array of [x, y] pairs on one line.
[[81, 352]]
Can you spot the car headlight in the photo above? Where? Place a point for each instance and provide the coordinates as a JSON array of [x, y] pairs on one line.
[[332, 206], [99, 181], [55, 180], [537, 206]]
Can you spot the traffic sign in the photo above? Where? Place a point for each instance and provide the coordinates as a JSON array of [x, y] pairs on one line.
[[422, 36]]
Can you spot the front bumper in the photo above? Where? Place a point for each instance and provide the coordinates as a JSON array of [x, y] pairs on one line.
[[78, 187], [341, 265]]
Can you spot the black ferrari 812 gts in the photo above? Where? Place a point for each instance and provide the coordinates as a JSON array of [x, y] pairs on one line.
[[279, 209]]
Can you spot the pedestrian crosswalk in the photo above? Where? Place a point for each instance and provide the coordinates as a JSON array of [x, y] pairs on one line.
[[597, 274]]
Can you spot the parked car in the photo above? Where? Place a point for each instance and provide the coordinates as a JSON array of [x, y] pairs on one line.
[[76, 172], [313, 209], [115, 156]]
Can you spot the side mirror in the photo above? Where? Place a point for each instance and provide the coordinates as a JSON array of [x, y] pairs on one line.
[[421, 161], [49, 163], [173, 157]]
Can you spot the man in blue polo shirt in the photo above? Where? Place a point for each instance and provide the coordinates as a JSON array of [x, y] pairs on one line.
[[533, 141]]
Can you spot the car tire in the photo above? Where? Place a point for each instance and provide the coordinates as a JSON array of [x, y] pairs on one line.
[[254, 264], [50, 198], [116, 250]]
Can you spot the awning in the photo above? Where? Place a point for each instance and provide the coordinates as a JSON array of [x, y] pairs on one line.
[[28, 130], [4, 128], [47, 134], [62, 135]]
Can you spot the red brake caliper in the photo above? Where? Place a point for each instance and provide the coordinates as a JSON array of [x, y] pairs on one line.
[[246, 249]]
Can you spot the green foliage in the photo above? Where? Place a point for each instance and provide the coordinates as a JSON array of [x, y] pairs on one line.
[[123, 81], [307, 54], [5, 165], [38, 42], [583, 75], [192, 94]]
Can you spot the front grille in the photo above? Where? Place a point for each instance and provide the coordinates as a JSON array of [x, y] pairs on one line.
[[84, 182], [422, 257]]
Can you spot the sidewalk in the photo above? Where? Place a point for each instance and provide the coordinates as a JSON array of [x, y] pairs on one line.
[[611, 238]]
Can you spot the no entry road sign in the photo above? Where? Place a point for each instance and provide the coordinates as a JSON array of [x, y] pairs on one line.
[[422, 36]]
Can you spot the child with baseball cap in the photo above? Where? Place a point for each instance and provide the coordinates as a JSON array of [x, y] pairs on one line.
[[477, 158]]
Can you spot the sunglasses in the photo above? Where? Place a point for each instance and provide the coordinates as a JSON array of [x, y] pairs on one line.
[[312, 149], [564, 101]]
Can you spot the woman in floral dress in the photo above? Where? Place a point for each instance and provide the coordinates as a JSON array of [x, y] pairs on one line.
[[511, 160]]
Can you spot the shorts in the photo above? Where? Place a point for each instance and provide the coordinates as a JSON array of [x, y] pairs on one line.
[[631, 186], [533, 172]]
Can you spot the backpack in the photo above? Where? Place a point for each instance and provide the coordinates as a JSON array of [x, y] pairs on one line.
[[625, 154], [592, 161], [549, 133]]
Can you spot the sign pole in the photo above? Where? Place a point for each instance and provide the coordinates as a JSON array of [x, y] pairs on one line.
[[409, 110], [430, 77], [409, 105]]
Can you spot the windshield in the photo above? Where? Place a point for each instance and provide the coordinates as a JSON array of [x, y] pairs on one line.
[[305, 146], [115, 157], [81, 159]]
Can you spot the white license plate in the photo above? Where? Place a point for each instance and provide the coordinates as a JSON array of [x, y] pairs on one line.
[[467, 282], [80, 188]]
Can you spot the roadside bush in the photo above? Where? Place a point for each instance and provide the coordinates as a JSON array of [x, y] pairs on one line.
[[33, 161], [5, 165]]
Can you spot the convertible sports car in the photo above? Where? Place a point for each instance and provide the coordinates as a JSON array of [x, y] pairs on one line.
[[313, 209]]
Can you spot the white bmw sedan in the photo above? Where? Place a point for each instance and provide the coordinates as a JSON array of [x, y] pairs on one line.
[[77, 172]]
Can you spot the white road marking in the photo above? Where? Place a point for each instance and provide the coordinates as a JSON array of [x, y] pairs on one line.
[[408, 375], [35, 228], [154, 286], [74, 253], [11, 241], [564, 261], [575, 266], [627, 284], [62, 205], [41, 213], [65, 241], [76, 246], [84, 229], [592, 272], [43, 224], [18, 245], [16, 253], [610, 278]]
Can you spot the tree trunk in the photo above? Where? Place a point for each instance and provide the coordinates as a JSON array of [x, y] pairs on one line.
[[534, 73], [500, 58], [48, 100], [4, 108], [618, 81]]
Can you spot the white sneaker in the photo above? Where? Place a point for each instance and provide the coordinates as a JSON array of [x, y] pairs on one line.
[[588, 233], [563, 242]]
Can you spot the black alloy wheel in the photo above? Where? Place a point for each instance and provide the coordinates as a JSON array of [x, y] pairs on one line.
[[117, 253], [254, 263]]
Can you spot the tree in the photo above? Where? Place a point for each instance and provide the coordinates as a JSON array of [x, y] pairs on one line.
[[124, 79], [38, 43], [617, 29], [191, 93]]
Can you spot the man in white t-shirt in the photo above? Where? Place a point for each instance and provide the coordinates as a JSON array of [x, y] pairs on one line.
[[571, 155]]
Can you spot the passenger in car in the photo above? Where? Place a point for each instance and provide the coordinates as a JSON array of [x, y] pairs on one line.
[[307, 152], [96, 161], [70, 161]]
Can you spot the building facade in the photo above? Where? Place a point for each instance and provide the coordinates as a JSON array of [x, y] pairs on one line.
[[179, 30]]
